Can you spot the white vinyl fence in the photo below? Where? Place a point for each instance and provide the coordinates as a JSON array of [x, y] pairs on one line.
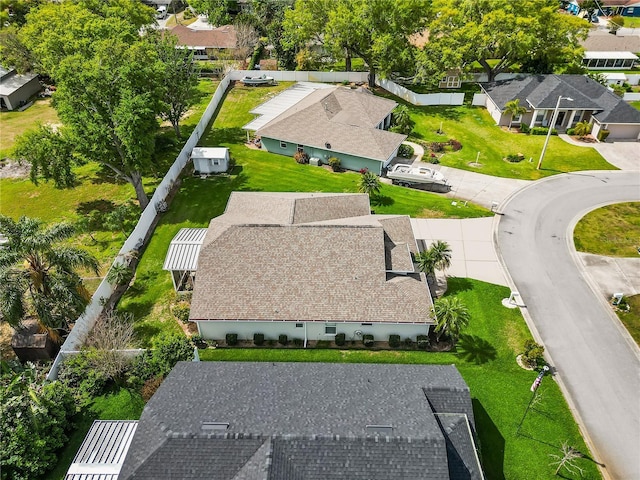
[[295, 76], [479, 99], [443, 98], [631, 97]]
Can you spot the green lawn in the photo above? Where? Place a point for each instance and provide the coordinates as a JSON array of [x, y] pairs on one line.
[[14, 123], [631, 319], [499, 388], [635, 104], [120, 405], [613, 230], [199, 200], [632, 22]]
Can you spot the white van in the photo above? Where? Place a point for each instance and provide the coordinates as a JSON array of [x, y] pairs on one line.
[[161, 12]]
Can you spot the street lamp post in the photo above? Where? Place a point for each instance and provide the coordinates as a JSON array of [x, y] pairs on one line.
[[554, 118]]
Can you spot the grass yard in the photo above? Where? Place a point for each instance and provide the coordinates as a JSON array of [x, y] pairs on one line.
[[631, 319], [499, 388], [631, 22], [613, 230], [14, 123], [477, 131], [119, 405], [635, 104], [151, 296]]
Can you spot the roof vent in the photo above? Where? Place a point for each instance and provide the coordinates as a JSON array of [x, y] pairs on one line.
[[380, 429], [327, 145], [214, 426]]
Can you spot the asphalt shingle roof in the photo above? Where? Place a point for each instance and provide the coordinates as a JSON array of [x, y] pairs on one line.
[[341, 117], [303, 257], [296, 421], [220, 37]]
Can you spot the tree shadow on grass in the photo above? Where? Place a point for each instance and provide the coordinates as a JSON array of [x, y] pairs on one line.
[[456, 285], [491, 442], [382, 201], [558, 449], [102, 206], [229, 136], [474, 349]]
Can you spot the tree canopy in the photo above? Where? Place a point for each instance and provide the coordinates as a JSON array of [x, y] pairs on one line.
[[499, 34], [378, 31]]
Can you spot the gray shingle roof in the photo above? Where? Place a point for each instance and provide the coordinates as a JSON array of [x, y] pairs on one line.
[[542, 91], [302, 257], [603, 41], [294, 421], [342, 117]]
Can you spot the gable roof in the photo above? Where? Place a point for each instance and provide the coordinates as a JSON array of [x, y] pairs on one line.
[[220, 37], [309, 257], [542, 92], [344, 118], [298, 421]]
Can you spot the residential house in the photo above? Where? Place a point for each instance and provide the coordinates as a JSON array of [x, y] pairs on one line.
[[590, 102], [15, 89], [330, 121], [626, 8], [310, 266], [295, 421], [207, 44], [604, 51]]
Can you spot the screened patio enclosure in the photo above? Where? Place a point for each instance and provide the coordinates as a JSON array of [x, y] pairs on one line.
[[182, 257]]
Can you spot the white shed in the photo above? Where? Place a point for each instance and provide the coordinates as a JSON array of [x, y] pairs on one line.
[[210, 160], [182, 257]]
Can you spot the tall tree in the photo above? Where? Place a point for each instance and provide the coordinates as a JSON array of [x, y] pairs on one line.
[[452, 316], [377, 31], [39, 273], [501, 33], [369, 184], [217, 11], [514, 109]]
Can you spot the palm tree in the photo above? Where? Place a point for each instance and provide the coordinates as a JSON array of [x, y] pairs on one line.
[[582, 129], [514, 108], [451, 317], [369, 184], [441, 252], [38, 273], [426, 262]]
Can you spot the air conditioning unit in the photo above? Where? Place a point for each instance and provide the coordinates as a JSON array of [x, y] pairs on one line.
[[315, 161]]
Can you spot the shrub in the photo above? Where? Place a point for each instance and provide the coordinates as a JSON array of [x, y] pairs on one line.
[[340, 339], [161, 360], [513, 158], [423, 342], [298, 342], [120, 274], [532, 354], [524, 128], [323, 344], [181, 311], [603, 134], [455, 145], [301, 157], [394, 341], [79, 374], [231, 339], [283, 339], [408, 342], [150, 387], [542, 131], [405, 151], [334, 163], [258, 339], [367, 339], [436, 146]]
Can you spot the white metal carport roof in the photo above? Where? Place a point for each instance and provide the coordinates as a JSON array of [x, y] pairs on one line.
[[184, 249], [103, 450], [282, 102]]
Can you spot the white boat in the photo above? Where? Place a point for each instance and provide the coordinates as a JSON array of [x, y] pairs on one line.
[[407, 175], [261, 80]]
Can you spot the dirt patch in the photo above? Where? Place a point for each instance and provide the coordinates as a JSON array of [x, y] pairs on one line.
[[587, 139], [13, 169]]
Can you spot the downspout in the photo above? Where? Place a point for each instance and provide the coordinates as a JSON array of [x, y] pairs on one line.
[[305, 334]]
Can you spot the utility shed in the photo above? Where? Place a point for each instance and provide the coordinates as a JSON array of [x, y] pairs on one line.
[[103, 450], [15, 89], [182, 257], [210, 160]]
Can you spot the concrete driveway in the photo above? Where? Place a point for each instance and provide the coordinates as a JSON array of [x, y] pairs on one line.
[[597, 362], [624, 155]]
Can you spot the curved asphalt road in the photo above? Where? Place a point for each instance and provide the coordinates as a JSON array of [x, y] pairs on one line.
[[597, 363]]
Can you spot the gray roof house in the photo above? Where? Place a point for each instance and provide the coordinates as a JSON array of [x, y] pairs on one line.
[[350, 124], [309, 265], [589, 102], [306, 421]]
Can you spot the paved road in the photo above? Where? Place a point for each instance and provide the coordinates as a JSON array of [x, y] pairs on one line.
[[597, 364]]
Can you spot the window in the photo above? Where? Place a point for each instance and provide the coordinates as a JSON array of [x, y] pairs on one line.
[[216, 161], [299, 325], [517, 118], [453, 81], [380, 429], [366, 324], [283, 145], [330, 329]]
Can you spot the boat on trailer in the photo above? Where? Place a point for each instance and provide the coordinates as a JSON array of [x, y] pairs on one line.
[[408, 175], [255, 81]]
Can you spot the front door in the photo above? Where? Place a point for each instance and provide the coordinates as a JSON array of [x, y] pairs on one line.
[[560, 119]]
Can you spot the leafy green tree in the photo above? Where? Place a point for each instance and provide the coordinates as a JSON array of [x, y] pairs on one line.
[[217, 11], [377, 31], [501, 33], [369, 183], [38, 272], [615, 23], [402, 121], [119, 274], [514, 109], [452, 316], [180, 79], [35, 422], [13, 12], [589, 6]]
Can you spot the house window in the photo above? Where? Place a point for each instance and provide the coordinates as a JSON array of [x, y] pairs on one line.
[[540, 117], [330, 329], [453, 81], [299, 325], [283, 144], [216, 162], [366, 324], [300, 148], [517, 118]]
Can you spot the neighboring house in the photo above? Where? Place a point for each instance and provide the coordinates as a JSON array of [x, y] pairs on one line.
[[210, 160], [626, 8], [207, 44], [309, 265], [306, 421], [330, 121], [452, 79], [609, 60], [603, 41], [15, 89], [592, 102]]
